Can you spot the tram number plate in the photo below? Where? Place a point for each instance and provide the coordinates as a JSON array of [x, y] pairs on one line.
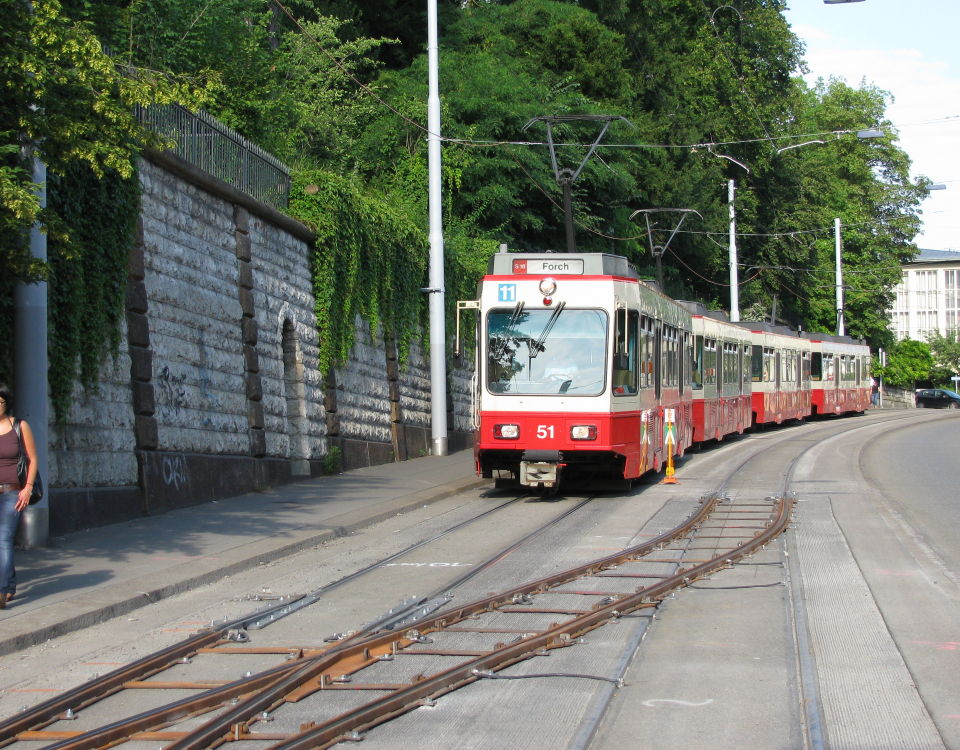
[[545, 431]]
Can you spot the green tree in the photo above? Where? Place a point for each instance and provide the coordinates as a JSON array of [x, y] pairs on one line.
[[288, 84], [490, 92], [946, 357], [63, 95], [908, 362], [70, 103], [864, 183]]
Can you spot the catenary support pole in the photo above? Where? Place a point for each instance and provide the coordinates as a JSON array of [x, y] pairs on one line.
[[438, 362], [30, 370], [734, 280], [838, 245]]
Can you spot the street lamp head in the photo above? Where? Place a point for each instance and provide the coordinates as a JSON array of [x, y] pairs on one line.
[[839, 2], [869, 132], [936, 186]]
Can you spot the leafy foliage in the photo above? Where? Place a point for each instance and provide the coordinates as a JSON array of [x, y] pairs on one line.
[[369, 261], [88, 273], [287, 85], [338, 90], [908, 361], [945, 351], [65, 97]]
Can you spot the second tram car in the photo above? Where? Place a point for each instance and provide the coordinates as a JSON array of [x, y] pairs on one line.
[[720, 375], [583, 370]]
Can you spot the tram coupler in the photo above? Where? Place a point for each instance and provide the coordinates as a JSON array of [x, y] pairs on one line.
[[541, 469]]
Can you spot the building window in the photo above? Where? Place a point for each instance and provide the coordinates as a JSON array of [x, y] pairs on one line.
[[951, 299], [926, 306]]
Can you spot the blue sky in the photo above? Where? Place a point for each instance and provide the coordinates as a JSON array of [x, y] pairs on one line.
[[912, 50]]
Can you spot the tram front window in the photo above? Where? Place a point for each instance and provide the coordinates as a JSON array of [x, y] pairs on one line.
[[546, 352]]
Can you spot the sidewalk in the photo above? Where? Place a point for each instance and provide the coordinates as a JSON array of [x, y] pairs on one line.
[[94, 575]]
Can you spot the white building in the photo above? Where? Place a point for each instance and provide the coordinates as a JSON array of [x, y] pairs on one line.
[[928, 296]]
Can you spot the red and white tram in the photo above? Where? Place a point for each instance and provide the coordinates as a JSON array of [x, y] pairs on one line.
[[583, 370], [720, 375], [840, 374]]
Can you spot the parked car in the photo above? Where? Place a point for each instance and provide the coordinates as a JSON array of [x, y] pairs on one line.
[[937, 398]]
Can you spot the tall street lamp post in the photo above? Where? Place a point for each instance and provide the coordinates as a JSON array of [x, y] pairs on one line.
[[438, 348]]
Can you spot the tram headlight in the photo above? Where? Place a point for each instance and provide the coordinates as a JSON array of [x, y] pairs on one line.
[[583, 432], [506, 431], [548, 286]]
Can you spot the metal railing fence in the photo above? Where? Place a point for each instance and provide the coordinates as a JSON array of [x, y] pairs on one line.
[[208, 144]]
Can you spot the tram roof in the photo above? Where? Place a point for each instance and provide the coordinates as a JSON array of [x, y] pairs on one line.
[[698, 308], [767, 327], [572, 264], [832, 338]]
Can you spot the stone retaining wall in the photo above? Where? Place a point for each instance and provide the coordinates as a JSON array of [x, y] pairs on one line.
[[215, 390]]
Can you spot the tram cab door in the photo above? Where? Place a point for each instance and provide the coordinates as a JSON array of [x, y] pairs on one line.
[[777, 380], [626, 354], [657, 359]]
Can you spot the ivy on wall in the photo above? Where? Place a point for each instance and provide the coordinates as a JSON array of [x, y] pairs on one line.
[[88, 250], [369, 260]]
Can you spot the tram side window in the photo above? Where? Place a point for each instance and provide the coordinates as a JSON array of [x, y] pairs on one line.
[[848, 372], [816, 366], [828, 365], [756, 364], [745, 364], [696, 372], [626, 359], [788, 367], [805, 367], [710, 361], [769, 365], [647, 351], [668, 360], [729, 363]]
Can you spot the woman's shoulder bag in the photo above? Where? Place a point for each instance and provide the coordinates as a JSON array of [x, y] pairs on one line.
[[37, 493]]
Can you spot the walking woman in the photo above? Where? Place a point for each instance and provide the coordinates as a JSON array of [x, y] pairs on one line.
[[13, 497]]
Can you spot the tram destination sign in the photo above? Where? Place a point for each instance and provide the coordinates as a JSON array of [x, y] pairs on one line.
[[548, 266]]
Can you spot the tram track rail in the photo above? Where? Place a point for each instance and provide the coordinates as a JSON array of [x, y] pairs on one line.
[[333, 669], [235, 630]]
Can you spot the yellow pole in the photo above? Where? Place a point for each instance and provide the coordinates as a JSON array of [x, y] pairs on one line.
[[669, 478]]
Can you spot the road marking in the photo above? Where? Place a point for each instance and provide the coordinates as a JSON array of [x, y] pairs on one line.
[[649, 703]]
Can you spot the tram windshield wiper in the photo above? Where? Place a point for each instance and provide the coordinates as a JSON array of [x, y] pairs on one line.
[[537, 346], [502, 337]]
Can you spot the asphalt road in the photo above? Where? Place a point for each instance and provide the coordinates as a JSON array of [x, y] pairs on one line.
[[917, 467]]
